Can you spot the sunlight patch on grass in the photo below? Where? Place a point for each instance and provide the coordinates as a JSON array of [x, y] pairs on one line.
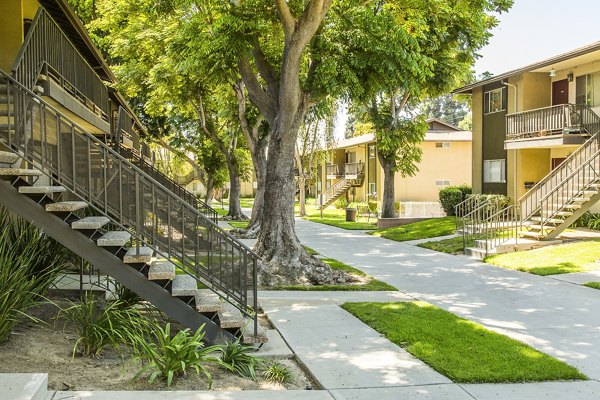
[[420, 230], [552, 260], [239, 224], [462, 350]]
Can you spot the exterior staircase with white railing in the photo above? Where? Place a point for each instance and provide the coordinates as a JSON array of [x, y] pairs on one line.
[[111, 213], [547, 209]]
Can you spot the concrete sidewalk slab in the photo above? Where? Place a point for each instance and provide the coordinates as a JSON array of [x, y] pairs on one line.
[[536, 391], [426, 392], [342, 352], [578, 278], [23, 386], [195, 395]]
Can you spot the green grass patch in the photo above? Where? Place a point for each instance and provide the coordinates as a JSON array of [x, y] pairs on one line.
[[310, 251], [593, 285], [370, 285], [247, 202], [239, 224], [450, 246], [222, 212], [462, 350], [419, 230], [552, 260], [335, 217]]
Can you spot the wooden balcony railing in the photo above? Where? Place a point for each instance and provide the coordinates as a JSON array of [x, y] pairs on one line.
[[47, 50], [554, 120]]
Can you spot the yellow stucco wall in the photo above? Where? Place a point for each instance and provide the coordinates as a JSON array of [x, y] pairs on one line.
[[477, 155], [11, 32], [453, 164], [532, 165], [29, 8]]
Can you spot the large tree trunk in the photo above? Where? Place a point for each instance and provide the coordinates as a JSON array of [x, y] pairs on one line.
[[285, 261], [235, 209], [387, 206]]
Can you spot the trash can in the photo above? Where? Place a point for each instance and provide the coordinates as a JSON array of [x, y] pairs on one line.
[[351, 214]]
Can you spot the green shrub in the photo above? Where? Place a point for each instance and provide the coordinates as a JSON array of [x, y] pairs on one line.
[[588, 220], [450, 197], [278, 373], [30, 262], [98, 327], [465, 189], [397, 207], [342, 202], [170, 357], [238, 358]]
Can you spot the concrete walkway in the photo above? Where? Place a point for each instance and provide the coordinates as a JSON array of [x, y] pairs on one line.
[[352, 361]]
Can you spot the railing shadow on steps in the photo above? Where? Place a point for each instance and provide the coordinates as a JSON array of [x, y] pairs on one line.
[[114, 187]]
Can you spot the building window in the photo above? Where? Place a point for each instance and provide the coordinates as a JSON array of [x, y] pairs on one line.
[[442, 182], [372, 151], [494, 171], [372, 189], [442, 145], [494, 101], [587, 89]]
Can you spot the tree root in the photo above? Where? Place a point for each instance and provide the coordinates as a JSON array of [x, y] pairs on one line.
[[251, 232], [303, 270]]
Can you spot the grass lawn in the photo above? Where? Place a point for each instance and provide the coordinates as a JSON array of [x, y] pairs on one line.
[[247, 202], [552, 260], [419, 230], [220, 211], [462, 350], [593, 285], [370, 285], [239, 224], [335, 217], [450, 246]]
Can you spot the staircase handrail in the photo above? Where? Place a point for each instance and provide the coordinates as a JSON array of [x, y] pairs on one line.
[[567, 180], [337, 185], [187, 196], [82, 76], [564, 165], [238, 298]]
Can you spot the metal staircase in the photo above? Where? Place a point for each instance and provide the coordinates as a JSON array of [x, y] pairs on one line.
[[334, 192], [552, 205], [122, 220]]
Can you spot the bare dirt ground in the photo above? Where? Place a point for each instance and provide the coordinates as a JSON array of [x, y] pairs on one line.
[[36, 347]]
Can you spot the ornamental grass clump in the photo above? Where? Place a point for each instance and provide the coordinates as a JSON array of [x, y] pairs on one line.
[[237, 357], [276, 372], [30, 262], [99, 326], [169, 357]]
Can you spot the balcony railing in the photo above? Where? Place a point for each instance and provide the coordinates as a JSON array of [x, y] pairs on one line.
[[357, 169], [346, 169], [335, 170], [47, 50], [554, 120]]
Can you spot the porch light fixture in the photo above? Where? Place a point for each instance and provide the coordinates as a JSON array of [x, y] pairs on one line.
[[552, 72]]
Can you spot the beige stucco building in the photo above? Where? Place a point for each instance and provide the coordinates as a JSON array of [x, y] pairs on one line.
[[446, 161]]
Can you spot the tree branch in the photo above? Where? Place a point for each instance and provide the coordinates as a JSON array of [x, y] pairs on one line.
[[266, 70], [286, 17], [263, 102]]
